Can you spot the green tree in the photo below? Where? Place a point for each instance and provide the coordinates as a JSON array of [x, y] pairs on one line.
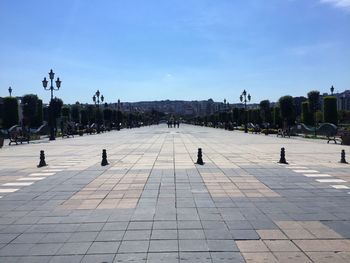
[[330, 113], [55, 110], [344, 116], [254, 116], [286, 104], [306, 115], [107, 115], [265, 111], [46, 113], [38, 121], [99, 116], [1, 114], [314, 98], [56, 105], [66, 113], [29, 109], [10, 106], [84, 117], [91, 113], [75, 112], [319, 116], [235, 115]]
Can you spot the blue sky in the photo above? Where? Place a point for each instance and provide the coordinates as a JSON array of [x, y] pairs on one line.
[[175, 49]]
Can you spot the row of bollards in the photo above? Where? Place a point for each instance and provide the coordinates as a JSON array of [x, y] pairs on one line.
[[104, 161], [284, 161], [42, 161], [283, 156]]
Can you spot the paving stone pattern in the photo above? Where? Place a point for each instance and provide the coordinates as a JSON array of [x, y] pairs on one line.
[[152, 203]]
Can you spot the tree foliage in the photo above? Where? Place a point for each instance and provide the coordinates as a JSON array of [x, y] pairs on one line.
[[286, 104], [306, 115], [10, 107], [66, 113], [330, 113], [29, 109], [265, 111], [314, 98], [75, 113]]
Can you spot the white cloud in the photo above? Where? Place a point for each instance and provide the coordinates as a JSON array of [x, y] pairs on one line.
[[338, 3]]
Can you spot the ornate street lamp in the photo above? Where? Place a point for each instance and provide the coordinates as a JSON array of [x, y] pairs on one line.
[[51, 88], [244, 98], [96, 98], [10, 91], [332, 90]]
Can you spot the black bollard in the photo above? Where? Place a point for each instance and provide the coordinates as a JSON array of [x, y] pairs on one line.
[[104, 158], [342, 159], [199, 157], [42, 162], [283, 156]]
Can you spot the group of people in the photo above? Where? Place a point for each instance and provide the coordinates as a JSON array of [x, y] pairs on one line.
[[173, 124]]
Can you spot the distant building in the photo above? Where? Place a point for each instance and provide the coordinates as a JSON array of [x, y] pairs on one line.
[[343, 100]]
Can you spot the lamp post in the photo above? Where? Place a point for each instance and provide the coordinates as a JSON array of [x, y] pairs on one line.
[[96, 98], [332, 90], [10, 91], [51, 88], [245, 98]]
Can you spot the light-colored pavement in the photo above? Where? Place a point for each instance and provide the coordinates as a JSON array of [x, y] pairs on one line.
[[152, 203]]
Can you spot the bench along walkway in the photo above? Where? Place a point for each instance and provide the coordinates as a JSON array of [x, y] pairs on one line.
[[152, 203]]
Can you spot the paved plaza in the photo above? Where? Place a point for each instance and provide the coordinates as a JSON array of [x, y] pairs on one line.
[[152, 203]]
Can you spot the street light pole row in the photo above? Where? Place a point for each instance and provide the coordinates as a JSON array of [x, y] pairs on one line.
[[244, 98], [51, 88], [96, 99]]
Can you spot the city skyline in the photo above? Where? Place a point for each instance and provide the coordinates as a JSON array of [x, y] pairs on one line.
[[197, 50]]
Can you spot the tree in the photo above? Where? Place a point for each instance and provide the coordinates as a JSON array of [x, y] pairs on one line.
[[314, 98], [66, 113], [55, 111], [56, 105], [330, 113], [99, 116], [46, 113], [91, 114], [29, 108], [39, 115], [107, 115], [254, 116], [75, 112], [306, 115], [1, 114], [235, 115], [84, 117], [265, 111], [286, 104], [10, 106]]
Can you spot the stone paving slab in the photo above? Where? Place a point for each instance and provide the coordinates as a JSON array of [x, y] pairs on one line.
[[152, 203]]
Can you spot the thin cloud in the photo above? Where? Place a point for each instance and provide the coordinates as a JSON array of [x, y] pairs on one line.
[[345, 4]]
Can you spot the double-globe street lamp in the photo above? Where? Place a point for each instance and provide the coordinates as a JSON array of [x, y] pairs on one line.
[[96, 98], [51, 107], [245, 98]]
